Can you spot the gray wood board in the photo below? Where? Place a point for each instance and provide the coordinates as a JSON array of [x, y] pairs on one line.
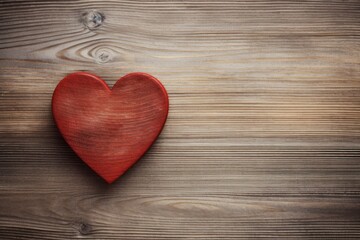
[[263, 134]]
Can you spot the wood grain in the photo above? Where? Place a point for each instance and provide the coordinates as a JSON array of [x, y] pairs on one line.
[[263, 134]]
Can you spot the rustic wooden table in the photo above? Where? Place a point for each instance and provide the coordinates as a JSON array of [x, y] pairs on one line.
[[263, 135]]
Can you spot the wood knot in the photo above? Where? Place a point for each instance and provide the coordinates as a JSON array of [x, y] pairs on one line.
[[92, 19], [84, 229], [103, 55]]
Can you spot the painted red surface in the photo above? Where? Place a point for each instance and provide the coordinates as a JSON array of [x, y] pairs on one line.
[[110, 129]]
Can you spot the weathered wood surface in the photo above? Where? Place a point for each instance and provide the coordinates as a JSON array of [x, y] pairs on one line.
[[263, 134]]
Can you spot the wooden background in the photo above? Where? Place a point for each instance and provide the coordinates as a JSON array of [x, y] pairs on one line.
[[263, 134]]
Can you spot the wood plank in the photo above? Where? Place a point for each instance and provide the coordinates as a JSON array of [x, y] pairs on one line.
[[263, 134]]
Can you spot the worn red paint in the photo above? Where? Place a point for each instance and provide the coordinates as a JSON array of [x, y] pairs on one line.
[[110, 129]]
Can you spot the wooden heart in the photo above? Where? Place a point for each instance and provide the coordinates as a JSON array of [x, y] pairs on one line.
[[110, 129]]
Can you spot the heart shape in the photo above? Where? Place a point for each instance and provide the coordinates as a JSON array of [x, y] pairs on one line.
[[110, 129]]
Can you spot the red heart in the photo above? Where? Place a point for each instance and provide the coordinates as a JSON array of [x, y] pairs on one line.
[[110, 129]]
